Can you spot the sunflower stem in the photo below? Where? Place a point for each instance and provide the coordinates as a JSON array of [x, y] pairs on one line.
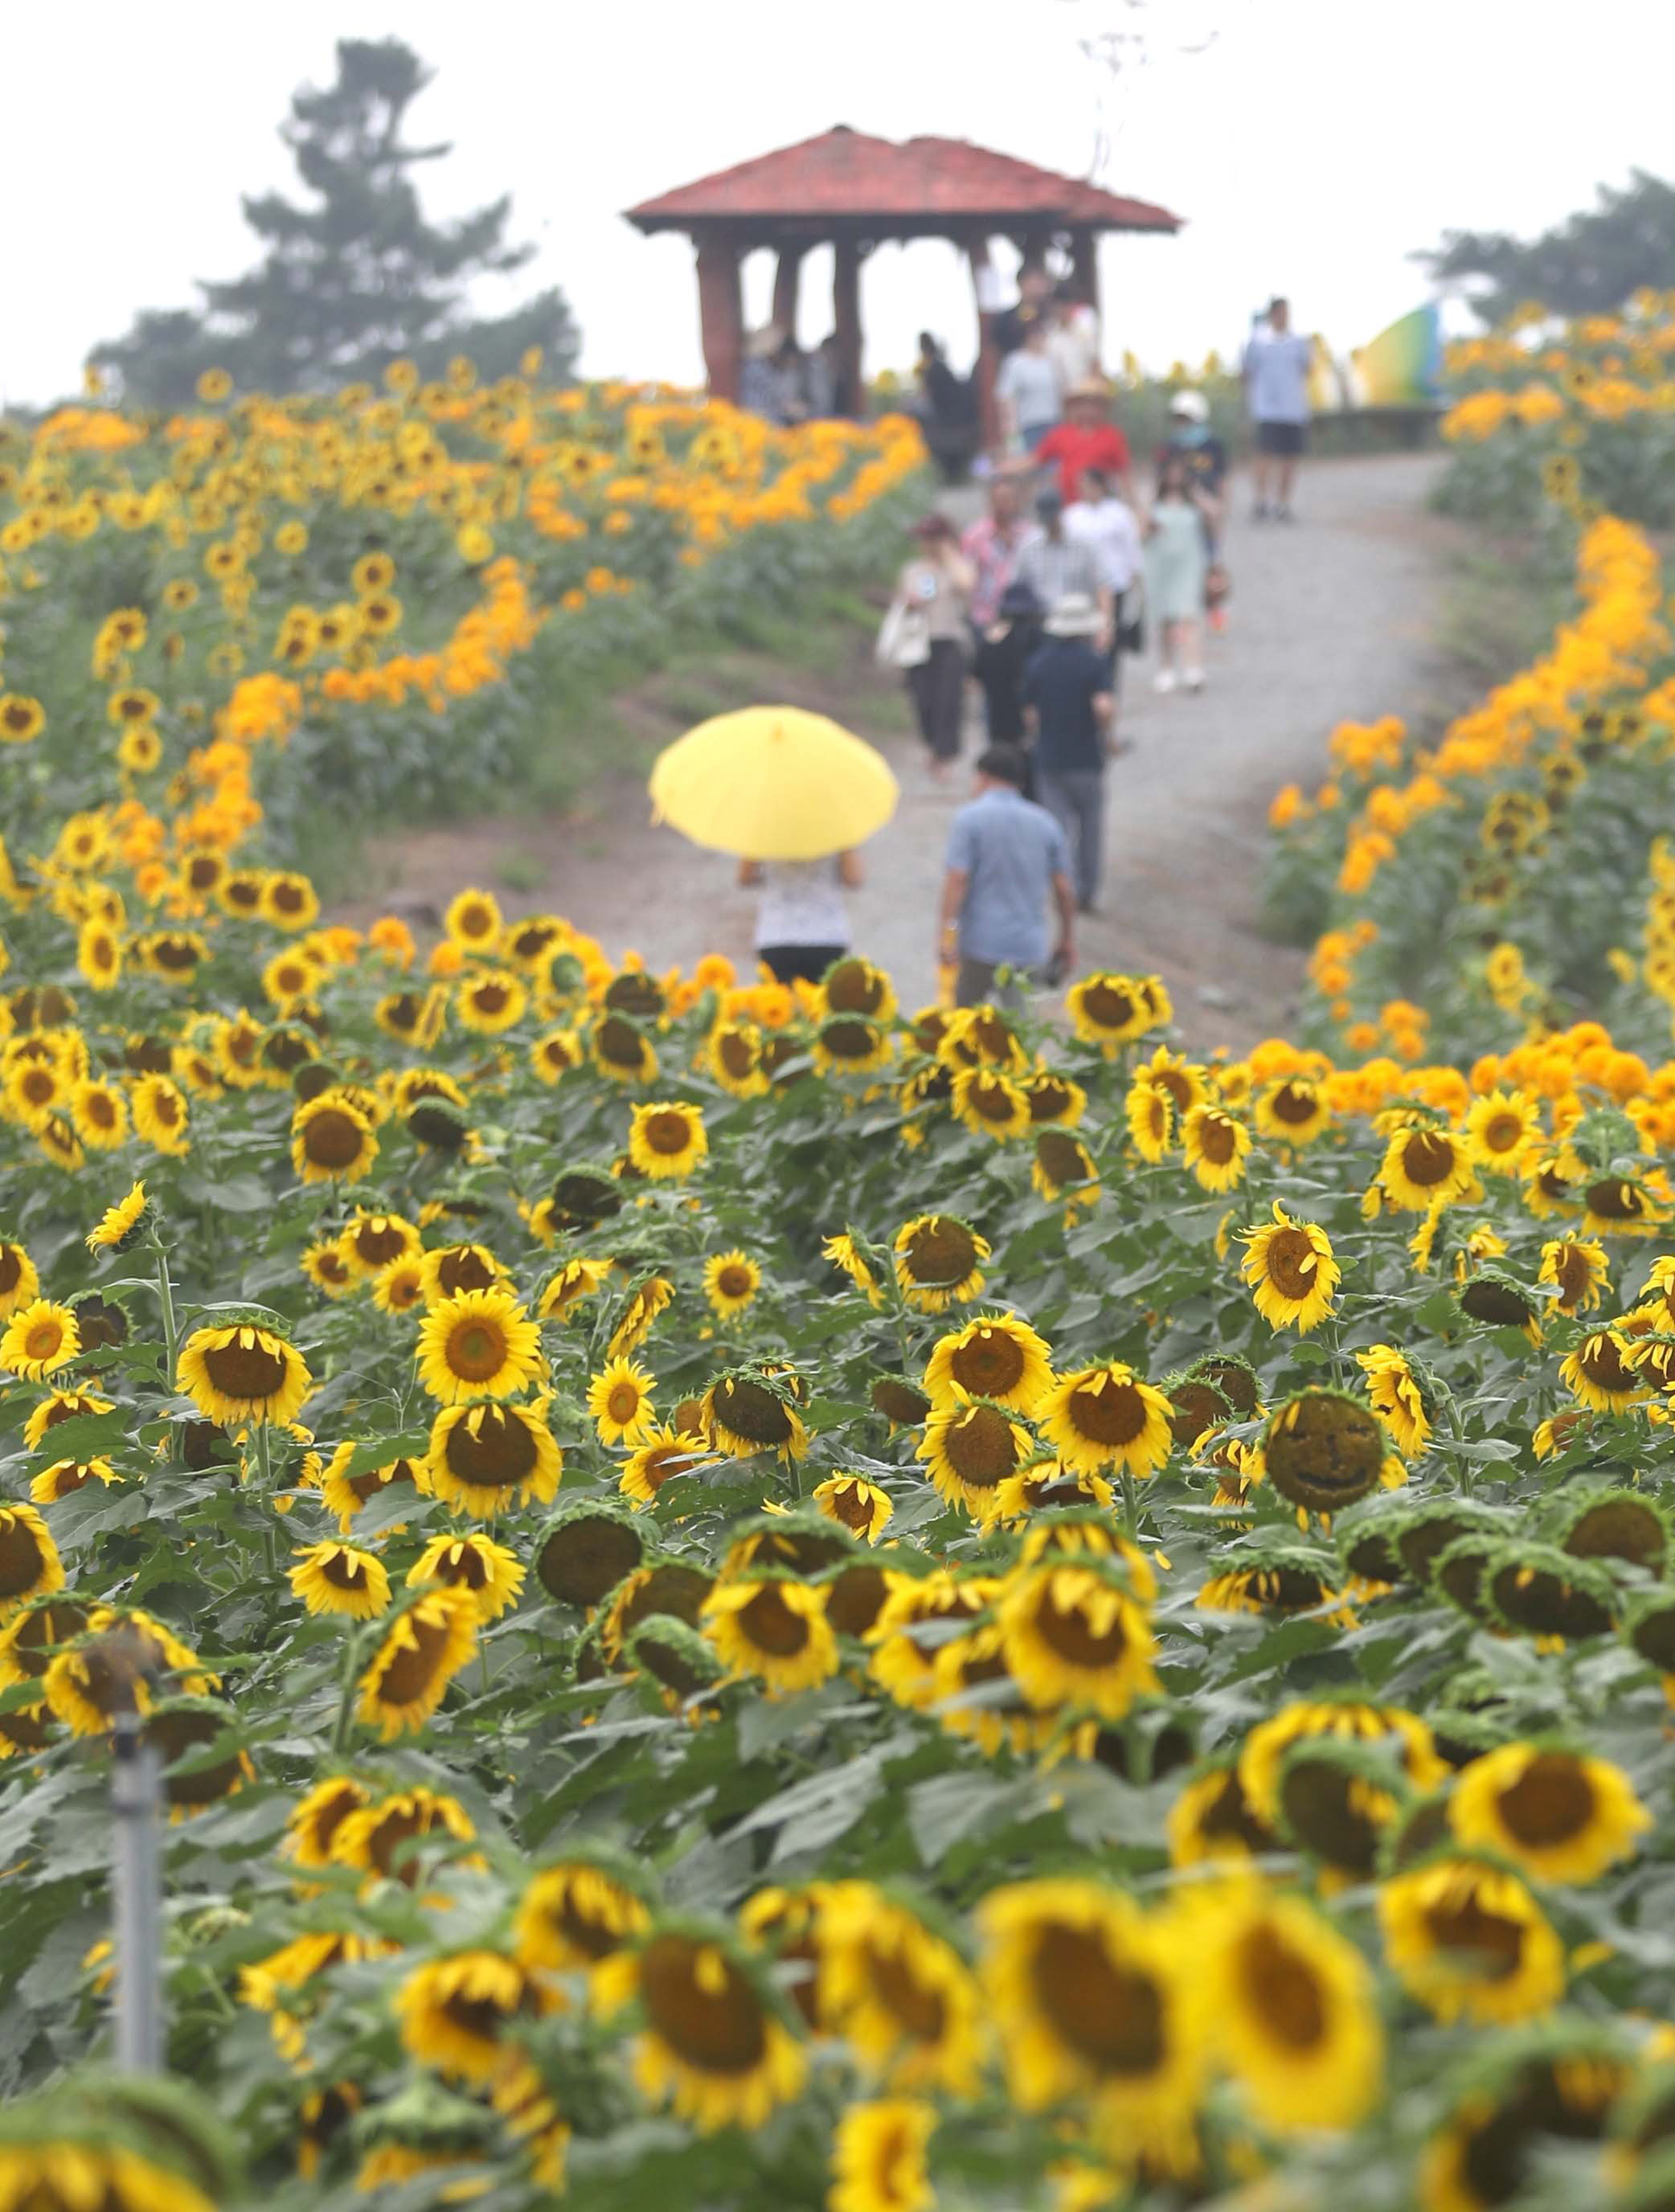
[[171, 1326], [1130, 1508], [340, 1727]]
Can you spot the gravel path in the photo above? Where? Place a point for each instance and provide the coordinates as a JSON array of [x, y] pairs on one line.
[[1331, 619]]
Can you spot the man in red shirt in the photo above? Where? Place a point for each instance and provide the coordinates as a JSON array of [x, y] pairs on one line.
[[1086, 439]]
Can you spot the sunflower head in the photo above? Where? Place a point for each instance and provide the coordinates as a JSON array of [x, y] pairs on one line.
[[1324, 1450], [586, 1550]]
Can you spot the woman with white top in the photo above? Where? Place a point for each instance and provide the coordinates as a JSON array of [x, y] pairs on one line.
[[802, 916], [1107, 527], [1030, 390]]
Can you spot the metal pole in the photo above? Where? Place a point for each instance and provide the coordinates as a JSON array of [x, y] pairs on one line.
[[136, 1888]]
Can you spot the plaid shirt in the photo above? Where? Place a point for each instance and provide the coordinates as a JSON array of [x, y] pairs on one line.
[[995, 559]]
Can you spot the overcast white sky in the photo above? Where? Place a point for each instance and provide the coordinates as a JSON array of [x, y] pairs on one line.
[[1313, 144]]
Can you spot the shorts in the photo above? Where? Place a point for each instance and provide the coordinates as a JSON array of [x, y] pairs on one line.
[[1282, 441], [799, 963]]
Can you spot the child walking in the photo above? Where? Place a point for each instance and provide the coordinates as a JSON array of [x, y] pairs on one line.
[[1177, 557]]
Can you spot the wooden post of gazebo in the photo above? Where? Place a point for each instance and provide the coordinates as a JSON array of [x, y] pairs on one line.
[[853, 192], [720, 313], [846, 325], [787, 274]]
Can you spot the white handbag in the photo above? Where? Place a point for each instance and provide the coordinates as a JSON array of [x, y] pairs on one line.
[[904, 636]]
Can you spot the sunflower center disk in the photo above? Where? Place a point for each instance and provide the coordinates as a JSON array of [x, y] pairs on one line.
[[1111, 2016], [718, 2032], [1550, 1802], [475, 1352], [1292, 1262], [410, 1673], [981, 1447], [1285, 1993], [1114, 1413], [773, 1627], [333, 1139], [989, 1366], [1493, 1944], [245, 1368]]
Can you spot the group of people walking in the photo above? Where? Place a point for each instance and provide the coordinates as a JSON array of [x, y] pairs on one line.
[[1040, 597], [1038, 601]]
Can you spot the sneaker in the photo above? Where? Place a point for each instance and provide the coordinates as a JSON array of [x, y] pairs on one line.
[[1283, 515], [1164, 680], [1260, 511], [1193, 679]]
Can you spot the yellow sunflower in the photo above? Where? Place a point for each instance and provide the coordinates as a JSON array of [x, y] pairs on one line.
[[846, 1254], [711, 2044], [937, 1261], [1098, 2002], [160, 1114], [332, 1140], [1215, 1144], [1291, 2007], [473, 919], [478, 1344], [422, 1651], [619, 1398], [327, 1268], [989, 1103], [666, 1453], [731, 1280], [1503, 1131], [493, 1575], [996, 1357], [1577, 1268], [743, 1413], [29, 1564], [1396, 1396], [667, 1141], [773, 1628], [98, 1112], [455, 2014], [1469, 1940], [493, 1002], [1292, 1272], [242, 1373], [972, 1448], [332, 1577], [575, 1280], [878, 2157], [484, 1459], [20, 1279], [1600, 1373], [1105, 1417], [38, 1338], [401, 1286], [1292, 1111], [573, 1916], [1426, 1167], [121, 1660], [1558, 1815], [1072, 1634], [902, 1996]]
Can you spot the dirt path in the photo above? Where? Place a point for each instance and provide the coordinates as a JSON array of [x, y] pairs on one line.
[[1331, 619]]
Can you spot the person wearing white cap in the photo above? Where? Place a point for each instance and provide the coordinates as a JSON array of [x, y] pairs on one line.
[[1068, 706], [1191, 437]]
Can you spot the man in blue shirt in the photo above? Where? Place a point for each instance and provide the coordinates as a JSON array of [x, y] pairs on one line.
[[1068, 700], [1276, 376], [1008, 867]]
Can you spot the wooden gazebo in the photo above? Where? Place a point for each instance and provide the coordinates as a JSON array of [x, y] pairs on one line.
[[852, 191]]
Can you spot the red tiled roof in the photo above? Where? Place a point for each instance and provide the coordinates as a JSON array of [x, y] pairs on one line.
[[923, 185]]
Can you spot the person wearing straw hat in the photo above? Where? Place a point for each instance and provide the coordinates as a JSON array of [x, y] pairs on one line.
[[1068, 704], [769, 383], [1086, 439]]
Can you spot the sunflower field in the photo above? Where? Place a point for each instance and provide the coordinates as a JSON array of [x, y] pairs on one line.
[[1517, 872], [222, 628], [747, 1597], [1579, 414]]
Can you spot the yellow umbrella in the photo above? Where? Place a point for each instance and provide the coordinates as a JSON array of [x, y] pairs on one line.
[[773, 783]]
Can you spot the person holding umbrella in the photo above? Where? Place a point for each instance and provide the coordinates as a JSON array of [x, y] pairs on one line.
[[793, 795], [802, 915]]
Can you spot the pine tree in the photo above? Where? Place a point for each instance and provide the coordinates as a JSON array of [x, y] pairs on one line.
[[358, 277]]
